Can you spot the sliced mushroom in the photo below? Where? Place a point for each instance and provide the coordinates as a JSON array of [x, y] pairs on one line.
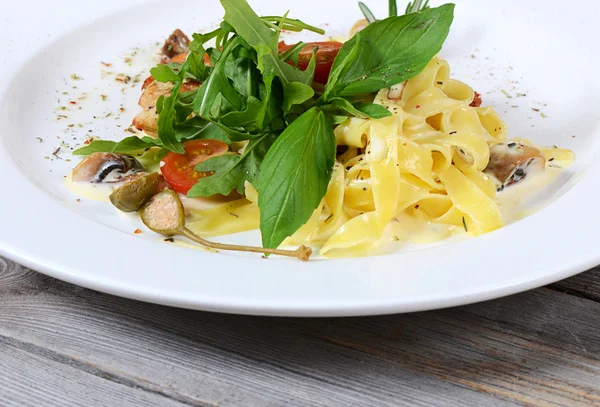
[[164, 214], [396, 91], [467, 158], [106, 167], [177, 43], [512, 162]]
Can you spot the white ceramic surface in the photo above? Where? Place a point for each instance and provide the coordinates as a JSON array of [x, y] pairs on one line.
[[538, 48]]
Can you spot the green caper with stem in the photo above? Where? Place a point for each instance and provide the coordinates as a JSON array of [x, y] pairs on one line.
[[164, 214]]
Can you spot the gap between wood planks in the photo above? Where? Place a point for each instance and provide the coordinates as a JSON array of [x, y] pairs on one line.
[[90, 368]]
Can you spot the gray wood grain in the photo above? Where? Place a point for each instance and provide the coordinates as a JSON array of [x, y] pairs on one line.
[[586, 285], [539, 348], [31, 376]]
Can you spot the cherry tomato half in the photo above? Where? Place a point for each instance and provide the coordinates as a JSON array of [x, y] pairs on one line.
[[178, 169], [325, 55]]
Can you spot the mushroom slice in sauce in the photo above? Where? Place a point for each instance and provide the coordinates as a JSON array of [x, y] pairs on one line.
[[396, 91], [106, 167], [512, 162]]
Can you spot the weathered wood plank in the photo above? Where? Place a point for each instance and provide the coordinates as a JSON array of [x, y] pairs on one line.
[[538, 348], [585, 285], [31, 376]]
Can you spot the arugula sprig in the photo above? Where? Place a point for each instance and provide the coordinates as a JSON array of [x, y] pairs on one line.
[[251, 92], [411, 7]]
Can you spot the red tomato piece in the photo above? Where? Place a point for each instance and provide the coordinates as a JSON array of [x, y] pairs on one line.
[[325, 55], [178, 169]]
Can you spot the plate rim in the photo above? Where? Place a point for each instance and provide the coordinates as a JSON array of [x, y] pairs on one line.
[[54, 267]]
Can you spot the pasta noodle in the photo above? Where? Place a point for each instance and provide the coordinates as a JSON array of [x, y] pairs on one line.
[[421, 170]]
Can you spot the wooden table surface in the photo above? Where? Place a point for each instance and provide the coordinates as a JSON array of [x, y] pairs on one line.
[[62, 345]]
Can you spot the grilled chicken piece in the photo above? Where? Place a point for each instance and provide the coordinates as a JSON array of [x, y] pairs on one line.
[[146, 120], [176, 44], [175, 49], [510, 163]]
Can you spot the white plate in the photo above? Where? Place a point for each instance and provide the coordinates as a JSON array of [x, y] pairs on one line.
[[543, 46]]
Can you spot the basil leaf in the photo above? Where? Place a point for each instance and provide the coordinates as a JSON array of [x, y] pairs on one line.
[[294, 176], [126, 146], [231, 171], [372, 110], [388, 52], [360, 109]]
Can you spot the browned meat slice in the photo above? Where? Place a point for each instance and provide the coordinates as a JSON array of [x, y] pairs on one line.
[[177, 43], [511, 162], [476, 100], [146, 120]]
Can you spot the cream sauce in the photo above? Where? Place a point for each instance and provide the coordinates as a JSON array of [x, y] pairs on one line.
[[408, 229], [87, 190], [206, 215], [515, 201]]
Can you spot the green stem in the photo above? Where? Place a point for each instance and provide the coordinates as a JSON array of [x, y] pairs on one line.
[[416, 6], [302, 253], [366, 12], [393, 8], [296, 48], [292, 23]]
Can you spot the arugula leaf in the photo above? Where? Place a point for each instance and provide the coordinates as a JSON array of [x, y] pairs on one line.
[[360, 109], [166, 72], [292, 53], [294, 176], [217, 93], [388, 52], [195, 65], [126, 146], [237, 97], [290, 24], [166, 122], [198, 128], [296, 93], [253, 30], [231, 171]]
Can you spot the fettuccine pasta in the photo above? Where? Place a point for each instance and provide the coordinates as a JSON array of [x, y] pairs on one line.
[[423, 170]]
